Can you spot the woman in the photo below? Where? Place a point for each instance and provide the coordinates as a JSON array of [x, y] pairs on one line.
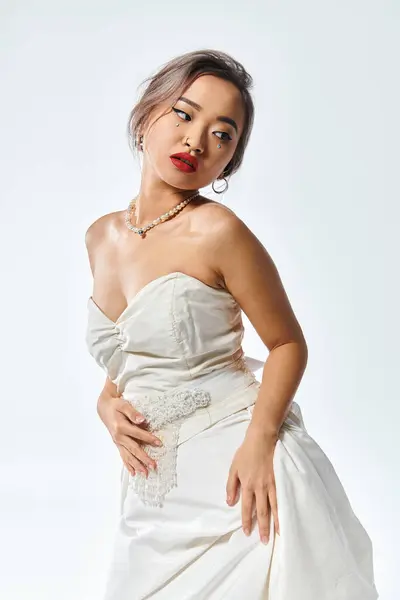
[[172, 274]]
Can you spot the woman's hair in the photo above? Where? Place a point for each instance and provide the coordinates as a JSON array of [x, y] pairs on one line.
[[177, 75]]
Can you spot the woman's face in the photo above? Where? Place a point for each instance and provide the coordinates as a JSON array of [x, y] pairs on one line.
[[210, 113]]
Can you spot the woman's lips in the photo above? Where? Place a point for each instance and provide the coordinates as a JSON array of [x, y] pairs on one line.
[[178, 161], [181, 165]]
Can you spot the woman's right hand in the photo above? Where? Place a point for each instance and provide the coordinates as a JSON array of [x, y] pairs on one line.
[[128, 434]]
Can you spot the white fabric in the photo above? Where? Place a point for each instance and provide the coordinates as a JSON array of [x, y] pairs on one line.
[[178, 332]]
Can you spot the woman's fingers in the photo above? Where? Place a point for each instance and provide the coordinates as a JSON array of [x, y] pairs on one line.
[[274, 507], [123, 427], [247, 509], [138, 421], [131, 413], [126, 460], [131, 462], [263, 513], [266, 506], [134, 449]]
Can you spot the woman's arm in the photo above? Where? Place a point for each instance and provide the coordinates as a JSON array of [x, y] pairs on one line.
[[252, 278], [107, 395]]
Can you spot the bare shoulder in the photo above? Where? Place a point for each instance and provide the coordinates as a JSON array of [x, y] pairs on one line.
[[225, 240], [102, 228], [222, 226], [215, 217], [102, 232], [236, 251]]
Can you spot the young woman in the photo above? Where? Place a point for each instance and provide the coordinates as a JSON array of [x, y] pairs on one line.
[[172, 274]]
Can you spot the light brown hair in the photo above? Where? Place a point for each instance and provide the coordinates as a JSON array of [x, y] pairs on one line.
[[175, 76]]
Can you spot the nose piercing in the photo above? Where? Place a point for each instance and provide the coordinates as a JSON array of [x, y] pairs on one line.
[[219, 146], [177, 125]]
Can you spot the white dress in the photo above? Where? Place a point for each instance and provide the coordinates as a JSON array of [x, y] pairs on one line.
[[175, 352]]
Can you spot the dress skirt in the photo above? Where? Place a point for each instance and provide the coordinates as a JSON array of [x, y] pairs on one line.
[[194, 547]]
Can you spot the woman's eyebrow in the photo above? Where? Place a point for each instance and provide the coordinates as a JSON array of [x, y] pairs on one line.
[[220, 118]]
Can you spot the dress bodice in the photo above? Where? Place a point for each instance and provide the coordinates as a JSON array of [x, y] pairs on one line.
[[176, 329], [175, 353]]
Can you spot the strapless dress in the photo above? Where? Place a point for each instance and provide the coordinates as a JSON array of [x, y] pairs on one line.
[[176, 354]]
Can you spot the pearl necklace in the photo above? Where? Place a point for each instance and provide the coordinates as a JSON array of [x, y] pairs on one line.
[[142, 230]]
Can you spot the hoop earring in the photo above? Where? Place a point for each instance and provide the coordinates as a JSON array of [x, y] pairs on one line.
[[224, 189]]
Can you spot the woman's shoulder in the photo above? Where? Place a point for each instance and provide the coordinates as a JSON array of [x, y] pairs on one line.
[[100, 233], [211, 213], [102, 228], [218, 220]]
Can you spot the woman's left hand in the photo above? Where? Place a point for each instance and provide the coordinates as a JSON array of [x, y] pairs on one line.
[[252, 471]]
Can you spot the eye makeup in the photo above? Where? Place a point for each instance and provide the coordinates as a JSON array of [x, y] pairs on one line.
[[223, 139]]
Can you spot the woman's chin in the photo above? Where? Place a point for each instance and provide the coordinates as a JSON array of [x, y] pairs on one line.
[[183, 181]]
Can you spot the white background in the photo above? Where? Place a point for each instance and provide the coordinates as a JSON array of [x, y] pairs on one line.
[[319, 187]]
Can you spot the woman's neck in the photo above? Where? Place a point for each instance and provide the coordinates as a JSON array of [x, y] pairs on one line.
[[155, 199]]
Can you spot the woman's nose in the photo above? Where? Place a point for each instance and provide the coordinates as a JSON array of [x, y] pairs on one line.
[[196, 143]]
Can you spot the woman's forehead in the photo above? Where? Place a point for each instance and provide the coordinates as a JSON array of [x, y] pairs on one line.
[[211, 89]]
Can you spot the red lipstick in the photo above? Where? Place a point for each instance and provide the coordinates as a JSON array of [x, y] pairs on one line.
[[185, 162]]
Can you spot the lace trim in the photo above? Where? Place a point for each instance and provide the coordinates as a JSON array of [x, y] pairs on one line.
[[164, 415]]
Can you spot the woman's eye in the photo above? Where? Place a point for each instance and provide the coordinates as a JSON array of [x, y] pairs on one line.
[[225, 139], [182, 113], [179, 112]]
